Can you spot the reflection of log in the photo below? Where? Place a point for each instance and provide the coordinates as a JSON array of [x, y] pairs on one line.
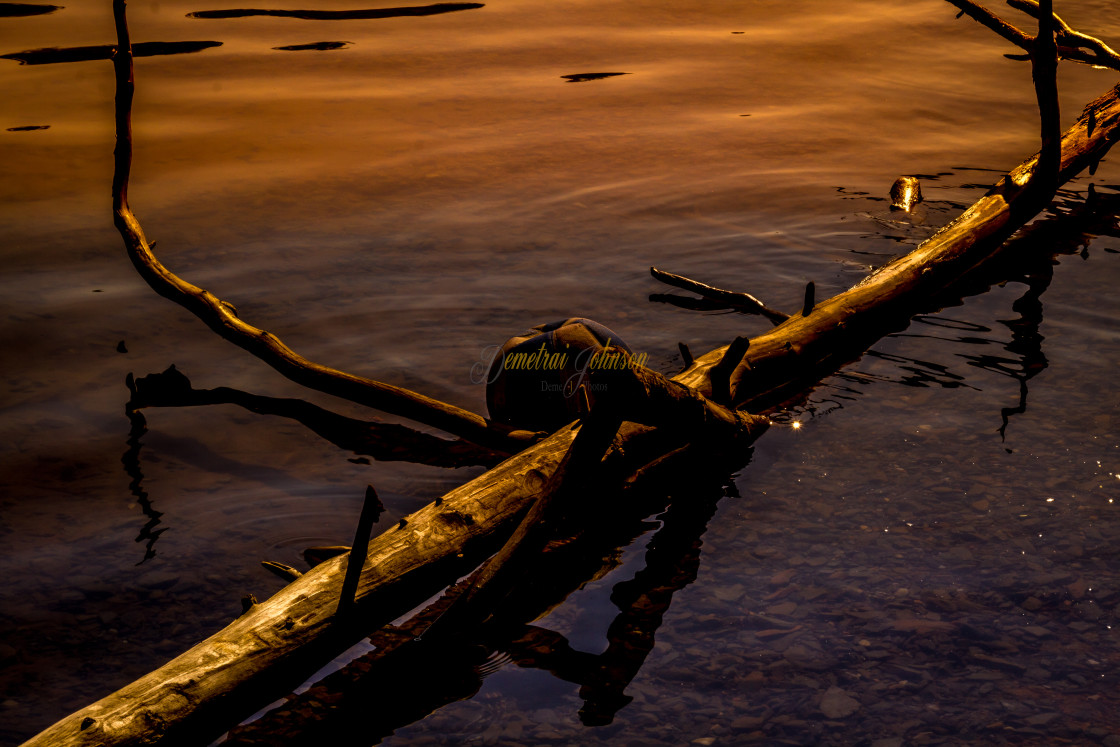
[[282, 640], [413, 673], [383, 441]]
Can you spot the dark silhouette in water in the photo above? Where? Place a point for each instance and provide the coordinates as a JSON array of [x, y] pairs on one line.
[[17, 10], [339, 15], [317, 46], [582, 77], [131, 461], [51, 55], [412, 674]]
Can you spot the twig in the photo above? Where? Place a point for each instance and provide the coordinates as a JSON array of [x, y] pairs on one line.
[[686, 354], [1072, 43], [356, 558], [810, 298], [730, 299], [721, 372], [989, 19]]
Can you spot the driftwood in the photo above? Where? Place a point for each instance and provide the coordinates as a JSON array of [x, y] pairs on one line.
[[221, 316], [278, 643]]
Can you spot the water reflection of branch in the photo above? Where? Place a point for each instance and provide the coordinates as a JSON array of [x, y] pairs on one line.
[[381, 441], [131, 461], [18, 10], [672, 561], [410, 676], [339, 15], [1026, 343], [53, 55], [1071, 228]]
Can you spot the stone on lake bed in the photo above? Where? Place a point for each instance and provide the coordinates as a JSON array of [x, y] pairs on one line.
[[836, 703]]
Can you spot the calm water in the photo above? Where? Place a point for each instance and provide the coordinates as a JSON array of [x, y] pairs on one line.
[[433, 186]]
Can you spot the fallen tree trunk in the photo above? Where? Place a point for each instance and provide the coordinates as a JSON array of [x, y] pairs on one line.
[[287, 634], [278, 643]]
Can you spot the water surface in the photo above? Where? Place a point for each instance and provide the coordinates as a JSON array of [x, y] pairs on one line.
[[392, 195]]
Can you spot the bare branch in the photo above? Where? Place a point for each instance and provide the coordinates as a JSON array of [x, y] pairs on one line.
[[1044, 71], [1072, 44], [728, 299], [989, 19], [222, 318]]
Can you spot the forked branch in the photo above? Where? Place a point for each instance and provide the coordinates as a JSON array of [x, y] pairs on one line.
[[1072, 45]]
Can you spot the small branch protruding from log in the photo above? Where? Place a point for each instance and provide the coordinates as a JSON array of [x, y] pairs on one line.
[[282, 570], [810, 298], [720, 375], [686, 354], [248, 602], [743, 302], [221, 316], [990, 20], [1044, 71], [371, 510]]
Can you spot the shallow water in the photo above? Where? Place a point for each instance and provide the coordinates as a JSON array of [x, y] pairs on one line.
[[435, 185]]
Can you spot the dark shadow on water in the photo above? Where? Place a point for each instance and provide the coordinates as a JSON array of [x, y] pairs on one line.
[[21, 10], [52, 55], [28, 128], [387, 442], [1068, 229], [138, 426], [583, 77], [411, 675], [339, 15], [316, 46]]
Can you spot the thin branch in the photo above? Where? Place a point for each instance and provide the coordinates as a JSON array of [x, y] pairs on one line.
[[356, 558], [990, 20], [222, 318], [729, 299], [1072, 44]]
